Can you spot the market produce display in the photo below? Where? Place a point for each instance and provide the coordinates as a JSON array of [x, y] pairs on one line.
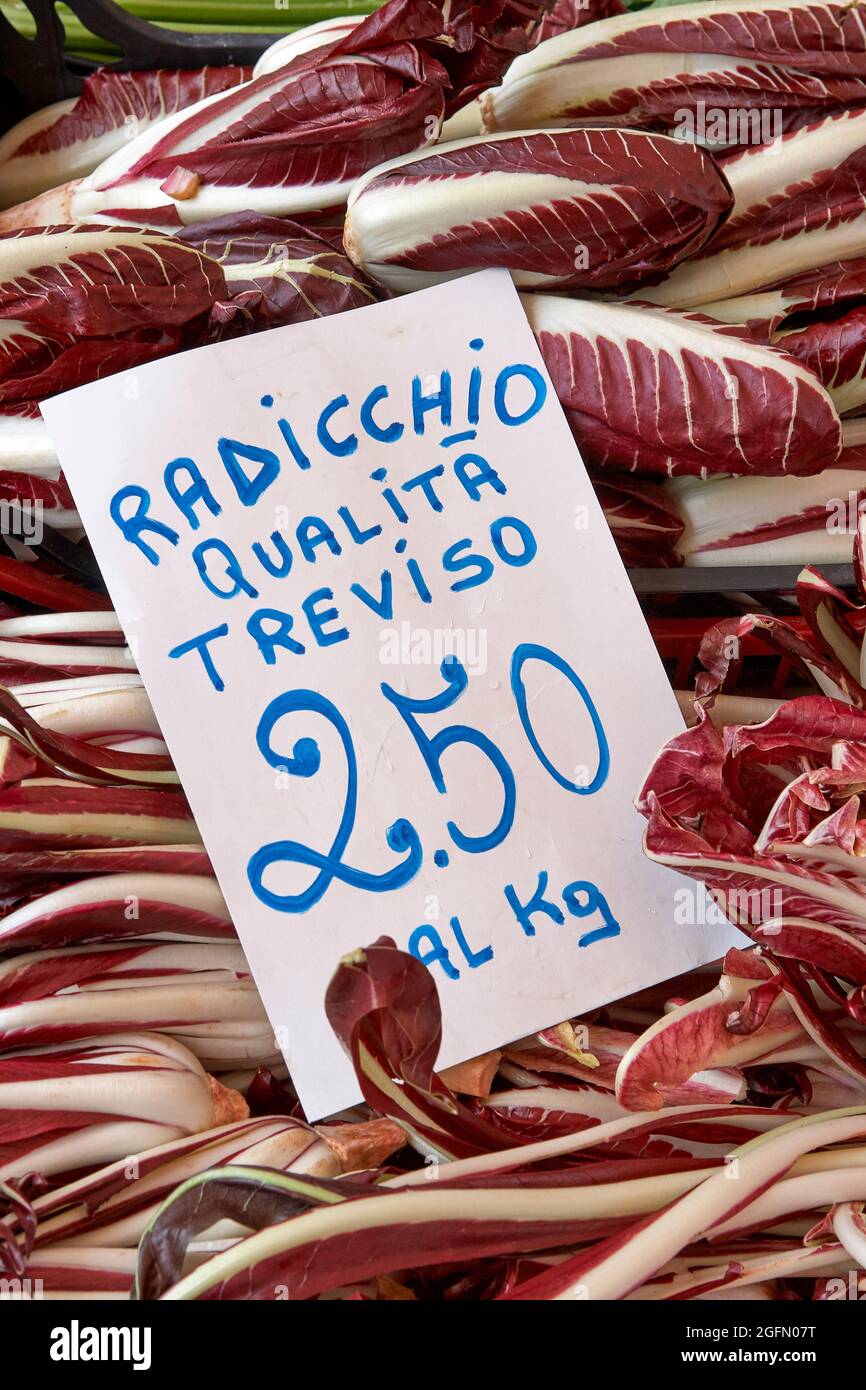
[[755, 242], [700, 307], [295, 139]]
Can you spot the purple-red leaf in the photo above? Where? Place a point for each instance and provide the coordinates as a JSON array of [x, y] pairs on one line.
[[655, 391], [590, 209], [70, 138]]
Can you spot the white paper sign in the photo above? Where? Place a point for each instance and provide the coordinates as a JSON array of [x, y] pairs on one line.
[[396, 659]]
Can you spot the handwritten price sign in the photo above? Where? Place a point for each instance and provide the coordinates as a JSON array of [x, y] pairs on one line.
[[396, 660]]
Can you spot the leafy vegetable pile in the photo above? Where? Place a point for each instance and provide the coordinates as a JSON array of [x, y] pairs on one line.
[[707, 1137], [687, 179], [704, 1138]]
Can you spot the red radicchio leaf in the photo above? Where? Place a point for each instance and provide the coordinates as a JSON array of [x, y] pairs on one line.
[[572, 14], [117, 98], [277, 271], [659, 391], [15, 1203], [642, 521], [474, 40], [583, 209], [102, 281], [383, 1006]]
